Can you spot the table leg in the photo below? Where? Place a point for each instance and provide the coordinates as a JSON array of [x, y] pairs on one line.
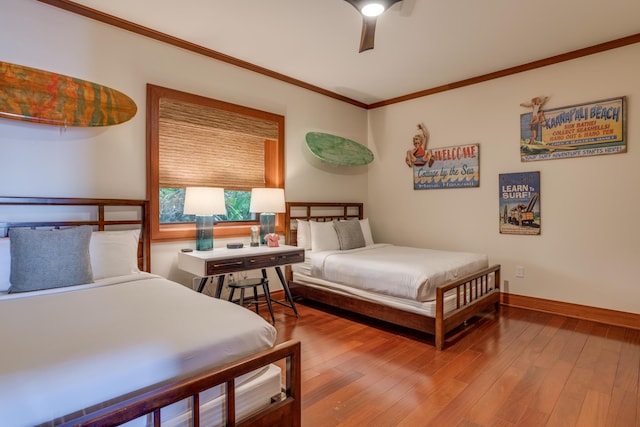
[[203, 281], [285, 286], [220, 285]]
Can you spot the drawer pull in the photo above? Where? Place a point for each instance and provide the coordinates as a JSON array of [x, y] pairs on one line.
[[227, 264]]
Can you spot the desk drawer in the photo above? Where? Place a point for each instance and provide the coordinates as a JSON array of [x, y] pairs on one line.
[[241, 263], [291, 258], [228, 265], [273, 260], [261, 261]]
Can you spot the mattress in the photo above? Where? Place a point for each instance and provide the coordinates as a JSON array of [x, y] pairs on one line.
[[425, 308], [75, 347], [395, 271]]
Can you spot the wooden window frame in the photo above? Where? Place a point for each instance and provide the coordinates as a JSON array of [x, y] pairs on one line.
[[273, 158]]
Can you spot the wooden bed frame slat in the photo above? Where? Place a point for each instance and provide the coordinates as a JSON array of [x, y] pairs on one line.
[[469, 302], [344, 210], [144, 250], [287, 411]]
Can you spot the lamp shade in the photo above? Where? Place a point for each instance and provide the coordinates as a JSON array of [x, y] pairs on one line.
[[267, 200], [204, 201]]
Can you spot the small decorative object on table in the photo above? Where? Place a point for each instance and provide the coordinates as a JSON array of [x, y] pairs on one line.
[[255, 236], [273, 240]]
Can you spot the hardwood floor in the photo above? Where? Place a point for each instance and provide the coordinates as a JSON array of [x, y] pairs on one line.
[[517, 368]]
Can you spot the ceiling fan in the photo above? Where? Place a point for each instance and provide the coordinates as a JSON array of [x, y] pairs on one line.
[[370, 10]]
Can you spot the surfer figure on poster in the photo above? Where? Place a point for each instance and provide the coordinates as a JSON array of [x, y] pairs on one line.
[[537, 116], [419, 155]]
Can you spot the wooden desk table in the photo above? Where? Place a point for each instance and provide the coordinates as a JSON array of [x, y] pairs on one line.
[[222, 261]]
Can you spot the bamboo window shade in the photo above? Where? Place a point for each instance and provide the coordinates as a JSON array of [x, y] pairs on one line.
[[204, 146]]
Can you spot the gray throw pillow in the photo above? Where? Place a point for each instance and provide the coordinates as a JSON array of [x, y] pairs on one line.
[[349, 234], [43, 259]]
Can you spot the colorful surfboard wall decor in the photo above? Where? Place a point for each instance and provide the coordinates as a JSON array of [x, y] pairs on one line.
[[40, 96], [337, 150]]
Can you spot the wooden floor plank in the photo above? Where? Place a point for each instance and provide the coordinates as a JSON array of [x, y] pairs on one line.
[[533, 418], [566, 412], [621, 408], [518, 368], [594, 409], [500, 392], [518, 404], [547, 395]]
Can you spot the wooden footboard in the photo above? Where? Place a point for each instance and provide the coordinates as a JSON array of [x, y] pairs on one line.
[[473, 293], [284, 411]]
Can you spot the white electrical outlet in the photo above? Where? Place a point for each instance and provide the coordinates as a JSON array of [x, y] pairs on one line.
[[519, 271]]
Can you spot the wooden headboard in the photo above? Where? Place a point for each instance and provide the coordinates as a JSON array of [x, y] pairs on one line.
[[317, 211], [102, 214]]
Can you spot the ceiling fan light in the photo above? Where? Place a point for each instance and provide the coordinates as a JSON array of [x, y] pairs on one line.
[[372, 9]]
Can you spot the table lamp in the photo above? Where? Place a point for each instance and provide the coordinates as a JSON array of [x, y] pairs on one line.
[[267, 202], [204, 203]]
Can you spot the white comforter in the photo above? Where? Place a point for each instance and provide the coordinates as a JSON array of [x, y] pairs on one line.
[[399, 271], [63, 351]]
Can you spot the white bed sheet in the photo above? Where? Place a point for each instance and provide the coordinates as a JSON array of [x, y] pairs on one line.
[[66, 350], [4, 295], [426, 308], [395, 271]]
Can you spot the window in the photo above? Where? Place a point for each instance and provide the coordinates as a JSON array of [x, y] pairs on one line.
[[198, 141], [172, 204]]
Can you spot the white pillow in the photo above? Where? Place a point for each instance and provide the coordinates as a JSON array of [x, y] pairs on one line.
[[323, 236], [366, 231], [5, 264], [304, 234], [114, 253]]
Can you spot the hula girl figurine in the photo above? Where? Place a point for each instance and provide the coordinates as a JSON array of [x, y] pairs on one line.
[[419, 155]]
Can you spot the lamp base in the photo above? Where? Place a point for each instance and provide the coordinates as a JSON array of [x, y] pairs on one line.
[[267, 225], [204, 232]]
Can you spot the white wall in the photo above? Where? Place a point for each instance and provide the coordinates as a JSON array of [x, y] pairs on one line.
[[39, 160], [587, 253], [589, 248]]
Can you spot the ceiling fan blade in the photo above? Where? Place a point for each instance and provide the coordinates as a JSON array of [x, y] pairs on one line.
[[369, 22], [368, 32], [407, 7]]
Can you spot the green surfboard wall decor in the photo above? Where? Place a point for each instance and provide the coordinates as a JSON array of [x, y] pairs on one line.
[[337, 150]]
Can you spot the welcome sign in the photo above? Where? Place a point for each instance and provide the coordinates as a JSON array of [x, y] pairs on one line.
[[575, 131], [452, 167]]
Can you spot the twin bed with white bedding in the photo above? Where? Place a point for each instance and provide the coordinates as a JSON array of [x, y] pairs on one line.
[[127, 343], [429, 290]]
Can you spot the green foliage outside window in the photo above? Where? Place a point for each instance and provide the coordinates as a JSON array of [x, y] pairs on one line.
[[172, 204]]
